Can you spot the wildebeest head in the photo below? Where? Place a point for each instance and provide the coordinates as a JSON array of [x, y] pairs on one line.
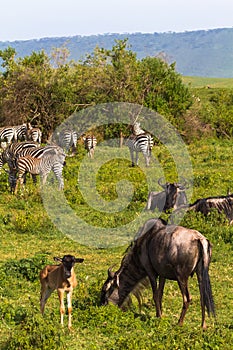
[[68, 262], [109, 291], [173, 192]]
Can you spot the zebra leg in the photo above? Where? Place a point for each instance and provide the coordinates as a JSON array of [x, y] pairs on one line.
[[19, 181], [34, 179], [137, 156], [132, 157], [43, 178]]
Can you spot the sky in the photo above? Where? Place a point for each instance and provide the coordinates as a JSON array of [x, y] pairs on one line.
[[35, 19]]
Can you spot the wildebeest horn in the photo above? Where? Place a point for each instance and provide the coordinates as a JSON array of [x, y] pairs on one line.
[[160, 182], [184, 183], [110, 272]]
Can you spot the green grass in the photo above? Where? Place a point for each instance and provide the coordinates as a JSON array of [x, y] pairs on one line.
[[200, 82], [29, 239]]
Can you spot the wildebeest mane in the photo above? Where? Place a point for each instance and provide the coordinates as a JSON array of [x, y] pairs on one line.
[[131, 255]]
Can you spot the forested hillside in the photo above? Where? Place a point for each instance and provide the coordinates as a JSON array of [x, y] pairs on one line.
[[47, 90], [205, 53]]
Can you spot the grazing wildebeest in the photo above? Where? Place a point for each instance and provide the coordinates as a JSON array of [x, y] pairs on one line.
[[172, 197], [223, 204], [168, 252], [62, 278]]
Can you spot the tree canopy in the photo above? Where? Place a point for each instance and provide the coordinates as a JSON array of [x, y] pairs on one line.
[[48, 89]]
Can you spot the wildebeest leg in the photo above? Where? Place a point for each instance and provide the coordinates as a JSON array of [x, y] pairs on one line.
[[200, 283], [160, 293], [157, 293], [69, 305], [183, 284], [62, 305], [44, 295]]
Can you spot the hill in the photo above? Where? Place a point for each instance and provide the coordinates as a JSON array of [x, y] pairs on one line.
[[203, 53]]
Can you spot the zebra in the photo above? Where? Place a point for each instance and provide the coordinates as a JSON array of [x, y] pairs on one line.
[[34, 134], [20, 149], [90, 143], [10, 153], [21, 132], [68, 139], [7, 134], [136, 129], [41, 166], [140, 141]]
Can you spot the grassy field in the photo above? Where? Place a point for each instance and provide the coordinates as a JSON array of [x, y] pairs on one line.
[[199, 82], [30, 238]]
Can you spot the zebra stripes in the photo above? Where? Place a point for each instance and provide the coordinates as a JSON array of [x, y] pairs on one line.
[[21, 132], [141, 143], [13, 150], [51, 161], [34, 134], [16, 150], [90, 143], [7, 134], [68, 140]]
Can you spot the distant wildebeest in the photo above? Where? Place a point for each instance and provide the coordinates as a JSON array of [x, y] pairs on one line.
[[172, 197], [165, 252], [62, 278], [223, 204]]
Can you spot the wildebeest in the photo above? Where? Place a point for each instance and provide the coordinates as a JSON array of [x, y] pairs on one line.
[[168, 252], [223, 204], [173, 196], [62, 278]]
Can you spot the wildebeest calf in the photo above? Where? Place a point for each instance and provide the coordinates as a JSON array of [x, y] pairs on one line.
[[62, 278]]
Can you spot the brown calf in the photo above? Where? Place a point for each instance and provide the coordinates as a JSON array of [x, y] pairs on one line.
[[62, 278]]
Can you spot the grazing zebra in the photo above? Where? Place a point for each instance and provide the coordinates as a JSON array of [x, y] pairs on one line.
[[7, 134], [90, 143], [41, 166], [34, 134], [14, 149], [20, 149], [140, 141], [21, 132], [68, 139]]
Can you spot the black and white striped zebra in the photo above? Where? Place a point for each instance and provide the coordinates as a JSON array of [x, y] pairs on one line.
[[21, 132], [7, 135], [90, 143], [13, 150], [50, 161], [140, 141], [16, 150], [68, 140], [34, 134]]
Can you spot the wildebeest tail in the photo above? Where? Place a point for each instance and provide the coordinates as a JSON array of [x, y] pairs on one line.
[[206, 285]]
